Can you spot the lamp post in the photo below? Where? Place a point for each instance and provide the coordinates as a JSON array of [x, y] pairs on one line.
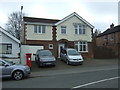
[[21, 20], [21, 16]]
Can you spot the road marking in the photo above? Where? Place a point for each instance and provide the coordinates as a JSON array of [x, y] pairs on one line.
[[95, 82]]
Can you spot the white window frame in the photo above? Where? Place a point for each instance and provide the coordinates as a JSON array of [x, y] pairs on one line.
[[40, 29], [80, 29], [63, 29], [80, 46], [5, 48]]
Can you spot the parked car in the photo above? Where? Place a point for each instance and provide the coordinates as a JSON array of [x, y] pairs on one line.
[[71, 56], [17, 72], [44, 58]]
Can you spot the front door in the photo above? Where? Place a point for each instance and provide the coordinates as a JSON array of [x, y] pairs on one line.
[[61, 45]]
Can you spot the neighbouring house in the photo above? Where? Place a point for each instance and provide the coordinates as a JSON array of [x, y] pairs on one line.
[[110, 39], [72, 31], [9, 45]]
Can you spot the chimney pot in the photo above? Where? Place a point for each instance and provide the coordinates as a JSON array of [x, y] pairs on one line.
[[112, 25]]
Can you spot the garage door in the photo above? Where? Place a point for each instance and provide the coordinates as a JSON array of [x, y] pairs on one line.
[[33, 49], [28, 49]]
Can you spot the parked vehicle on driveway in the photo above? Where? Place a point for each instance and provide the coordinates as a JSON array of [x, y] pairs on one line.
[[44, 58], [17, 72], [71, 56]]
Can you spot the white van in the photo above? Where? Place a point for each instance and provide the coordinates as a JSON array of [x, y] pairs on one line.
[[71, 56]]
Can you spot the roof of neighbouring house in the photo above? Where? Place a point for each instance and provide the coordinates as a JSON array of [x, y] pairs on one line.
[[40, 20], [110, 30], [9, 35]]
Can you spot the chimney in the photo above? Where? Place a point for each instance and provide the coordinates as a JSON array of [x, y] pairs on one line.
[[112, 25]]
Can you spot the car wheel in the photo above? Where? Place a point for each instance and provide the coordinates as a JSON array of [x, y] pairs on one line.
[[68, 62], [18, 75], [35, 60], [38, 63], [61, 59]]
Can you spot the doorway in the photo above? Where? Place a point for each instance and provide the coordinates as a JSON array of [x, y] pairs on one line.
[[61, 45]]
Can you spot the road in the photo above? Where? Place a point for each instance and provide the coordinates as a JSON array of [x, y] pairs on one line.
[[90, 79]]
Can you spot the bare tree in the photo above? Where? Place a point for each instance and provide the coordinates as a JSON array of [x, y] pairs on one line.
[[14, 24]]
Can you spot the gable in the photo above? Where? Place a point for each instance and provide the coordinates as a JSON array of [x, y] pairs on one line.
[[72, 21], [8, 35], [75, 15]]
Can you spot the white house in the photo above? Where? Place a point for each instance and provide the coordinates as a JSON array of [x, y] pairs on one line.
[[72, 31], [9, 45]]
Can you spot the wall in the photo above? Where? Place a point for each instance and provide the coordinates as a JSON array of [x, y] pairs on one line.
[[113, 45], [71, 36], [15, 46], [30, 35], [28, 49]]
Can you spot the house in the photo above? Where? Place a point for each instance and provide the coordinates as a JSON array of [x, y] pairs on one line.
[[110, 39], [72, 31], [9, 45]]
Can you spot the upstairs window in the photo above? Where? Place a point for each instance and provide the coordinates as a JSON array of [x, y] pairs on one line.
[[111, 36], [80, 29], [39, 29], [63, 29], [105, 37]]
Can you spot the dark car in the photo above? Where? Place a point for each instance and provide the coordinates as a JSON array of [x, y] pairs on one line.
[[44, 58], [71, 56], [17, 72]]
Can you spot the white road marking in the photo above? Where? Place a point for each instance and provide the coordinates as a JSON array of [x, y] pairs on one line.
[[95, 82]]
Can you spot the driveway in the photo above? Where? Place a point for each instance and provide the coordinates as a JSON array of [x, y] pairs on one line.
[[62, 68]]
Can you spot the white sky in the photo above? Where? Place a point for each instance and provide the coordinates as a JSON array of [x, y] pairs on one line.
[[100, 13]]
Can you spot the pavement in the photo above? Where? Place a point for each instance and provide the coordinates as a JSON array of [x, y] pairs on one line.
[[62, 68]]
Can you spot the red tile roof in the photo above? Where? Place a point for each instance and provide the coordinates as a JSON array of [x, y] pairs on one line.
[[110, 30]]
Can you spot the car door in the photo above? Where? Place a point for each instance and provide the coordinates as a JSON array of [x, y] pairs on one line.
[[6, 69], [0, 68], [65, 56]]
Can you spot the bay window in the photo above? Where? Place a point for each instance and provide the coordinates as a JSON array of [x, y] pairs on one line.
[[81, 46]]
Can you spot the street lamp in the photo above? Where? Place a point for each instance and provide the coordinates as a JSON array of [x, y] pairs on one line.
[[21, 20]]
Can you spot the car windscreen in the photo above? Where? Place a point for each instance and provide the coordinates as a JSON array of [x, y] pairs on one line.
[[9, 62], [73, 52], [45, 53]]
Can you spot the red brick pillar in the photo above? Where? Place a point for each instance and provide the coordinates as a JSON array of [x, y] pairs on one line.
[[54, 35]]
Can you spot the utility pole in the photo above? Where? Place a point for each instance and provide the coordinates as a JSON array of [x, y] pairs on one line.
[[21, 20]]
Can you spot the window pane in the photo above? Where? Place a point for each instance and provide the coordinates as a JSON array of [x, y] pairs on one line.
[[35, 28], [76, 30], [43, 29], [6, 48], [76, 47], [63, 29], [84, 47], [39, 30], [80, 30], [80, 47], [84, 29]]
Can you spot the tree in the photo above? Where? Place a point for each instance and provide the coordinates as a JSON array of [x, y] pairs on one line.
[[14, 24]]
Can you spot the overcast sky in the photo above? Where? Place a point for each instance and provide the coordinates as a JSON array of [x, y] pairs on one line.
[[100, 13]]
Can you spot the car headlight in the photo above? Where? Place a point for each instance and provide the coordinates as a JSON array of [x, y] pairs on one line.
[[27, 69]]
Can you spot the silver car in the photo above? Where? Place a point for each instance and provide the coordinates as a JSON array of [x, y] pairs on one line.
[[71, 56], [44, 58], [17, 72]]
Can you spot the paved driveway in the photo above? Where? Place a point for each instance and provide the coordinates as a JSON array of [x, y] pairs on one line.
[[62, 68]]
